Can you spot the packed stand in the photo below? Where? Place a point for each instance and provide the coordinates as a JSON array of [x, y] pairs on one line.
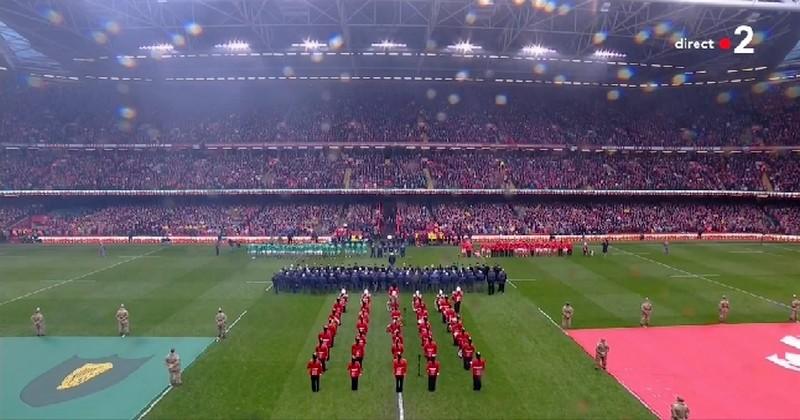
[[327, 113], [206, 220], [250, 169], [456, 221], [786, 217]]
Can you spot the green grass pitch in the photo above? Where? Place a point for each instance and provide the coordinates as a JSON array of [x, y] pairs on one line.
[[533, 370]]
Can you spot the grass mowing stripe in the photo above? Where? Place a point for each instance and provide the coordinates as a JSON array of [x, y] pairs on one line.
[[718, 283], [82, 276]]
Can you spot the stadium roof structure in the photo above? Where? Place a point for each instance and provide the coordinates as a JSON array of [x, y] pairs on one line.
[[204, 38]]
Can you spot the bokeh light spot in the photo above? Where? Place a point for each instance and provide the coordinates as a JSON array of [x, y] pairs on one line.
[[99, 37], [662, 28], [193, 29], [599, 37], [127, 113], [760, 87], [642, 36]]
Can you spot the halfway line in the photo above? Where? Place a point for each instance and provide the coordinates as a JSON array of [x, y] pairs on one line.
[[82, 276], [400, 410]]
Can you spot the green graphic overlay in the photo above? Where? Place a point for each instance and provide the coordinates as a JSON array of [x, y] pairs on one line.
[[86, 377]]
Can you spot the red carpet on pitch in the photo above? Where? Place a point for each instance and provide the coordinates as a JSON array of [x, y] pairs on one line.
[[741, 371]]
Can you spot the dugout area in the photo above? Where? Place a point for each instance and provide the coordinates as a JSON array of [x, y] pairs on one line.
[[86, 377]]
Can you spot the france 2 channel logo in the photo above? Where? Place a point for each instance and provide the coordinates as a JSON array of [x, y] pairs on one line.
[[745, 32]]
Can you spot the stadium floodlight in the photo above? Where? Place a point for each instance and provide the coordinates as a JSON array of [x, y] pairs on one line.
[[464, 47], [387, 45], [234, 45], [536, 50], [608, 54], [158, 47], [310, 44]]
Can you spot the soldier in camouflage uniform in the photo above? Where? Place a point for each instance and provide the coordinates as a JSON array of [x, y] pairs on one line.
[[123, 322], [601, 354], [173, 362], [38, 322], [679, 410], [566, 316], [221, 319], [724, 308], [647, 309]]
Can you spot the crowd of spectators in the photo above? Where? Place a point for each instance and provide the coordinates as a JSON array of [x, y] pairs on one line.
[[206, 220], [596, 218], [315, 169], [452, 219], [393, 113]]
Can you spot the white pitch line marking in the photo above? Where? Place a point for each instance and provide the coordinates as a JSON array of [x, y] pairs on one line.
[[549, 318], [154, 402], [81, 277], [512, 284], [684, 276], [785, 248], [525, 280], [700, 276], [400, 410], [235, 321], [269, 287]]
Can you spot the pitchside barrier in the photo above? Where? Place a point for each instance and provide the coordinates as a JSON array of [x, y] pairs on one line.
[[625, 237]]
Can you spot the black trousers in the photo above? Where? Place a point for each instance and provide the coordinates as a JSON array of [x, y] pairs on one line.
[[467, 363], [502, 287], [398, 383], [315, 383], [457, 307], [476, 383], [491, 287], [431, 383], [354, 384]]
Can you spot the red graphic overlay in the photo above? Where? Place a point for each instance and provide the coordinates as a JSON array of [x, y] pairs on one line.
[[722, 371]]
